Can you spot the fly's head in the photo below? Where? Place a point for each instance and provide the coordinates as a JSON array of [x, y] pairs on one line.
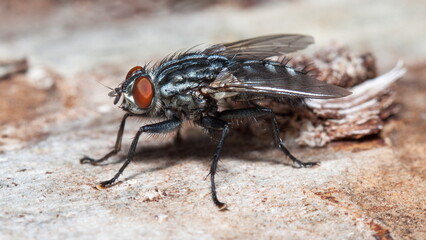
[[139, 92]]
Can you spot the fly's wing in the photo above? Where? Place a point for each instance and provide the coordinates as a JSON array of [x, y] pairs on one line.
[[271, 80], [262, 47]]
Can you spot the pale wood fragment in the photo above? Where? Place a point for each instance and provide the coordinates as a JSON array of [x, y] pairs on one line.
[[360, 114]]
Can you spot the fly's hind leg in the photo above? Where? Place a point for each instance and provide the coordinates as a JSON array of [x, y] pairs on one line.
[[178, 138], [117, 147], [261, 112]]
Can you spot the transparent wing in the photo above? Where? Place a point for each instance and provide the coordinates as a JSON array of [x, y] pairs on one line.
[[282, 81], [262, 47]]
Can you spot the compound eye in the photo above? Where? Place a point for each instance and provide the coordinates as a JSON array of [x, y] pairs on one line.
[[132, 71], [143, 92]]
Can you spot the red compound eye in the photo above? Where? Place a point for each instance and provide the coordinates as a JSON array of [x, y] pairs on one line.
[[132, 71], [143, 92]]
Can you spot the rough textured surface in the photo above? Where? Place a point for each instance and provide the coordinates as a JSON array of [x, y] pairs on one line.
[[368, 189]]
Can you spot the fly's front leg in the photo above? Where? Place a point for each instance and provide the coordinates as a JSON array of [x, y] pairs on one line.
[[117, 146], [216, 124], [266, 113], [162, 127]]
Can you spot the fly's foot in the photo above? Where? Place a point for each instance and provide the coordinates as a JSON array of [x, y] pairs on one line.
[[221, 206], [105, 184], [89, 160], [299, 164]]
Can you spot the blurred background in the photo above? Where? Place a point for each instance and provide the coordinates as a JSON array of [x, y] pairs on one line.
[[78, 35]]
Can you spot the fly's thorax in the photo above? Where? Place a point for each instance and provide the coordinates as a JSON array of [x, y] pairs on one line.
[[180, 82], [141, 95], [185, 98]]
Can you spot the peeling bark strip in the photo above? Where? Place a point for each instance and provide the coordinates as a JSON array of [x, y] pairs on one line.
[[354, 116], [360, 114]]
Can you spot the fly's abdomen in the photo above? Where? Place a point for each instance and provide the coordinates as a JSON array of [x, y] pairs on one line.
[[267, 70], [272, 79]]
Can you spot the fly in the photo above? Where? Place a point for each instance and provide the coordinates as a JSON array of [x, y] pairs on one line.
[[191, 85]]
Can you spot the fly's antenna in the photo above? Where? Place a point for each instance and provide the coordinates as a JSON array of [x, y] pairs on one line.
[[114, 92], [110, 88]]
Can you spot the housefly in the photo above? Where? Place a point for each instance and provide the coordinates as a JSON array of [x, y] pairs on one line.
[[191, 85]]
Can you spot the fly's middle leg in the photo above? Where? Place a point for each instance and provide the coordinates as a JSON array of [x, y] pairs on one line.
[[117, 147], [212, 123], [266, 113]]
